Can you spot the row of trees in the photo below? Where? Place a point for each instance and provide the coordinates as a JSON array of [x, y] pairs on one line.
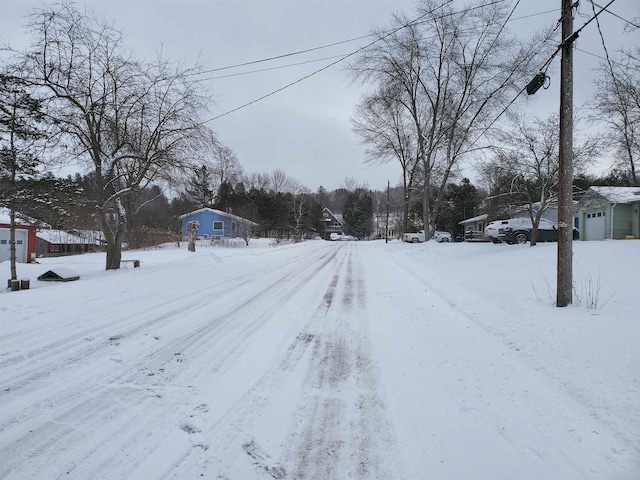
[[440, 81], [283, 212], [135, 127]]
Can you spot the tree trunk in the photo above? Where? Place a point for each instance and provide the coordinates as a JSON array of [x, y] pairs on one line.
[[114, 255], [12, 248], [113, 241], [426, 210]]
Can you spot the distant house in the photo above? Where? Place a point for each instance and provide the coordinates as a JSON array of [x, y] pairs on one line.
[[474, 227], [609, 213], [216, 224], [332, 223], [386, 225]]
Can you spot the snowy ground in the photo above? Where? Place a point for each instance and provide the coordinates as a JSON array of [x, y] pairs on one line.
[[324, 360]]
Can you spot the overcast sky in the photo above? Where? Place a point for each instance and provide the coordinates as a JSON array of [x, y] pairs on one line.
[[305, 129]]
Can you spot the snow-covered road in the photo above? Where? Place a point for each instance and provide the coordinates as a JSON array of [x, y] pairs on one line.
[[317, 360]]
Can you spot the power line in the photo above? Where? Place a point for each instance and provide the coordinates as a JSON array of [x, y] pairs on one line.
[[386, 35], [569, 39], [202, 72], [342, 42], [617, 16], [284, 55], [275, 68], [600, 57], [545, 65], [604, 45]]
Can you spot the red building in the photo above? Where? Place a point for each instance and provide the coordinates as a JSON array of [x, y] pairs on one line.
[[25, 243]]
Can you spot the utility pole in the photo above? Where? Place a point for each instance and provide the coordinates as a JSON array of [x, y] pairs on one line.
[[565, 187]]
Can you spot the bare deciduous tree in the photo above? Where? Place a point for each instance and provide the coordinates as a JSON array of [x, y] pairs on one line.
[[281, 182], [385, 127], [617, 103], [301, 200], [131, 122], [257, 181], [451, 70], [224, 164], [528, 163]]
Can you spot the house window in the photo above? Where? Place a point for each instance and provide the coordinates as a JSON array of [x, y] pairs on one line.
[[3, 242], [234, 226], [218, 225], [19, 242]]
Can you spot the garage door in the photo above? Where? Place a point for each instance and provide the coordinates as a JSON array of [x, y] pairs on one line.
[[5, 245], [594, 226]]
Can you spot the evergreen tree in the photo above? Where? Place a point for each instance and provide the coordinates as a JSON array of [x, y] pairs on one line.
[[225, 197], [20, 130], [358, 213], [199, 187], [461, 201]]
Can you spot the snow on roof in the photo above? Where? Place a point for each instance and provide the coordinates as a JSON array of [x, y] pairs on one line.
[[5, 217], [619, 194], [474, 219], [219, 212], [337, 216], [61, 237]]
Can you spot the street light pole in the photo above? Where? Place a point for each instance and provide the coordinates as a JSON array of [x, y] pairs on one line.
[[565, 187]]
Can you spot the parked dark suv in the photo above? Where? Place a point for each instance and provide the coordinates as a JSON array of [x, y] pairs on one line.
[[547, 232]]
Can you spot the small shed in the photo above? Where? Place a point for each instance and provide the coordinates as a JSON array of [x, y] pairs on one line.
[[59, 274], [217, 224], [609, 213]]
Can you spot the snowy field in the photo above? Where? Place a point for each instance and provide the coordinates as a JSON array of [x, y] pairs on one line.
[[324, 360]]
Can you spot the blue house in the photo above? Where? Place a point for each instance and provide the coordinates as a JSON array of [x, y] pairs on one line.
[[217, 224]]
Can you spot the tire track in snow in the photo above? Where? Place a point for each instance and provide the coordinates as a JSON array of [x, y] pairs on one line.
[[248, 402], [79, 347], [230, 429], [161, 302], [344, 431], [137, 375]]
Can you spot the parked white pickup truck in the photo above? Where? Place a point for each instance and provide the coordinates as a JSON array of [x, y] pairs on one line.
[[414, 237]]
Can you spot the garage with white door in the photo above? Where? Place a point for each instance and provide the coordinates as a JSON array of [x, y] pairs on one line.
[[5, 245], [609, 213], [594, 225]]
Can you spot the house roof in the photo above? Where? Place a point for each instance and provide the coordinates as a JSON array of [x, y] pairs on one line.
[[218, 212], [61, 237], [5, 218], [336, 216], [618, 194], [484, 216]]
